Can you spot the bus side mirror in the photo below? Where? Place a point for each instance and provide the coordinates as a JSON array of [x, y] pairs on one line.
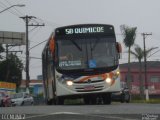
[[119, 49]]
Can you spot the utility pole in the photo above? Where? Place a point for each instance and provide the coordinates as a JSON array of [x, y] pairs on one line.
[[145, 65], [27, 19], [7, 74]]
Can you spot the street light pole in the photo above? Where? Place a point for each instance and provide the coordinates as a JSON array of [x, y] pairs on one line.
[[18, 5]]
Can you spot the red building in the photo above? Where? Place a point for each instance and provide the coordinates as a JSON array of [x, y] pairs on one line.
[[153, 76]]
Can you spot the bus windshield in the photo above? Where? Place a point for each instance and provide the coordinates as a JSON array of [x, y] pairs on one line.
[[91, 53]]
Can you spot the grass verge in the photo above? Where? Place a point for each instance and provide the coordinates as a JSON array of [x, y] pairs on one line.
[[152, 101]]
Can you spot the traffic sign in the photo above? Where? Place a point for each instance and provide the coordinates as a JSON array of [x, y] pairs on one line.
[[17, 38]]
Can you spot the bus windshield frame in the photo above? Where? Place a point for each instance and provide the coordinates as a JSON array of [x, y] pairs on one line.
[[86, 53]]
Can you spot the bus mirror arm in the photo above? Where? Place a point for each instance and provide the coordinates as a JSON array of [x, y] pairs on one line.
[[119, 49]]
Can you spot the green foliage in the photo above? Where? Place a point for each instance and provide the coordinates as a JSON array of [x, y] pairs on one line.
[[129, 35], [1, 50], [138, 52], [40, 95], [138, 99], [11, 69], [151, 101]]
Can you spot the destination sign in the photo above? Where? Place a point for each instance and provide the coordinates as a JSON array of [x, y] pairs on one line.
[[84, 30]]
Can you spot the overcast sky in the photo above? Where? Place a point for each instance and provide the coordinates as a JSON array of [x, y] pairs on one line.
[[143, 14]]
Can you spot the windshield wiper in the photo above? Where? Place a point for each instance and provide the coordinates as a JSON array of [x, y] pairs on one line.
[[76, 45], [95, 44]]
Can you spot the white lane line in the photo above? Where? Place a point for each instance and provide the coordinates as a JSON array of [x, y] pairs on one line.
[[112, 117], [56, 113], [72, 113]]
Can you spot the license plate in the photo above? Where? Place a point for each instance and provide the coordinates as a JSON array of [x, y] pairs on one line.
[[89, 87]]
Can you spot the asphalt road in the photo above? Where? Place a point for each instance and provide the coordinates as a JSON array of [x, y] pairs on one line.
[[115, 111]]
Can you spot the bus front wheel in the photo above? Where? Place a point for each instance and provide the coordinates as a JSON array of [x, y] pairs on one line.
[[60, 100], [49, 102], [107, 98], [86, 100]]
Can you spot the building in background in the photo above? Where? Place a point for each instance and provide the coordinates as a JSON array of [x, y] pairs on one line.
[[153, 76], [35, 87], [39, 77]]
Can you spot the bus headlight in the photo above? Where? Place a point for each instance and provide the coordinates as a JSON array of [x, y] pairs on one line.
[[116, 75], [108, 80], [69, 83]]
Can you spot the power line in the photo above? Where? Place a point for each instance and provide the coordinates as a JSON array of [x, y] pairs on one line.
[[9, 9], [49, 22], [153, 53], [38, 44], [20, 13], [33, 29], [2, 5], [123, 34]]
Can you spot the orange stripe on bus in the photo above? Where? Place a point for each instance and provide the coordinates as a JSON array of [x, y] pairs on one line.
[[52, 44], [104, 76]]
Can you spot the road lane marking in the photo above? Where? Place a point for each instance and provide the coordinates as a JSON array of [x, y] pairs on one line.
[[72, 113], [56, 113], [112, 117]]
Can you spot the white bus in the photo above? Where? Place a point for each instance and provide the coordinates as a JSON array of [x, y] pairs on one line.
[[81, 61]]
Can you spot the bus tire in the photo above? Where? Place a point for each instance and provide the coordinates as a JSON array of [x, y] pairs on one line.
[[107, 98], [60, 101], [49, 102], [122, 98], [54, 101], [93, 101], [86, 100], [127, 98]]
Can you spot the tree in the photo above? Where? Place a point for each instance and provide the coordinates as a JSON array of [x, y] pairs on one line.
[[139, 54], [129, 35], [1, 50], [11, 69]]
